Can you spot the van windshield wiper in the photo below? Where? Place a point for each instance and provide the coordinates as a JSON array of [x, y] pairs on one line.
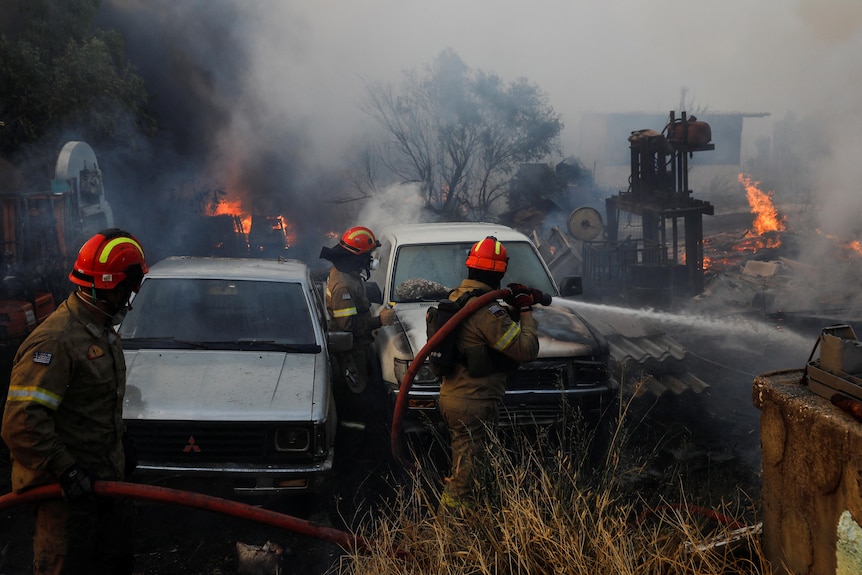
[[228, 345], [163, 341], [271, 344]]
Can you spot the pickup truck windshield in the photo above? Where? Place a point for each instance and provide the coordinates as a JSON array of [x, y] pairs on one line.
[[217, 310], [443, 264]]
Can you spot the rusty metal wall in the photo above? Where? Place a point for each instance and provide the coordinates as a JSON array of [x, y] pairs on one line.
[[812, 478]]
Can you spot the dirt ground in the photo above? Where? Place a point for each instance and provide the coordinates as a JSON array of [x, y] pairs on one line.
[[711, 439]]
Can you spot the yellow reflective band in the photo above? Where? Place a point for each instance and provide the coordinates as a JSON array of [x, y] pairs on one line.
[[344, 312], [359, 233], [33, 393], [497, 246], [106, 251], [508, 337]]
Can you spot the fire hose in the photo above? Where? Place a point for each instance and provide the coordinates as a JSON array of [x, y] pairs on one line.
[[419, 360], [121, 489]]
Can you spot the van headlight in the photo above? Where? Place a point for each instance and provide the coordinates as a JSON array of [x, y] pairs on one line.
[[424, 375], [292, 439]]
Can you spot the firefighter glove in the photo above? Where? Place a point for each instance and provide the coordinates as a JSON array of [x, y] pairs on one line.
[[540, 297], [519, 288], [77, 484], [521, 301], [130, 451], [521, 298], [387, 316]]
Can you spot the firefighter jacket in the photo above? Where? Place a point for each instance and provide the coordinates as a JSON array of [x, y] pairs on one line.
[[348, 305], [65, 401], [489, 328]]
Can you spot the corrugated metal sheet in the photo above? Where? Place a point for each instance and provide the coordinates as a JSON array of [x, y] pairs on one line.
[[646, 358]]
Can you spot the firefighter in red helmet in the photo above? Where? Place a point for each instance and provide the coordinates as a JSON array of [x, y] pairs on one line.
[[491, 343], [350, 310], [63, 416]]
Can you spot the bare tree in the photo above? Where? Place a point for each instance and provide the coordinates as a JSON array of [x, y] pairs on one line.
[[461, 133]]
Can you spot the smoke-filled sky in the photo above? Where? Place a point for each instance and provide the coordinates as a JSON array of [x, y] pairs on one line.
[[304, 62], [274, 87]]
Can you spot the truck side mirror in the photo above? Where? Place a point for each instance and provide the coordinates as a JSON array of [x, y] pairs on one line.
[[572, 285], [372, 291]]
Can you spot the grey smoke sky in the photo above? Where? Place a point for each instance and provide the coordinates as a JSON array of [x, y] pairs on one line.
[[773, 56], [279, 83], [305, 62]]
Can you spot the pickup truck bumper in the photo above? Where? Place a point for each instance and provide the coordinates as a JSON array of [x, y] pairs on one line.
[[248, 480]]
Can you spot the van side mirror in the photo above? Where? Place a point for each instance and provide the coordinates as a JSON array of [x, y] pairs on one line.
[[572, 285], [372, 290]]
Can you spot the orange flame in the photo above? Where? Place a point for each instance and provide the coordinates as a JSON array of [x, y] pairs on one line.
[[766, 215], [234, 208], [854, 246], [289, 232]]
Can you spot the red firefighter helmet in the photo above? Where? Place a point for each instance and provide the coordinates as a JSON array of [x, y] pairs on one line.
[[108, 258], [488, 255], [358, 240]]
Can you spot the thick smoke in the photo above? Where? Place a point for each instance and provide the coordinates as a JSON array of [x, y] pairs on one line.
[[221, 129], [262, 99]]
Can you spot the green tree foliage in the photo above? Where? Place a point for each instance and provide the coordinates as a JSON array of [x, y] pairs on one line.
[[461, 133], [61, 74]]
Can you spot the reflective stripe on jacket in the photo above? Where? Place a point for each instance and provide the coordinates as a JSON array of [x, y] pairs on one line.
[[348, 305], [65, 400], [492, 326]]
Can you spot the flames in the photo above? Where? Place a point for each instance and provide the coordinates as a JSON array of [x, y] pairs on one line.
[[234, 208], [766, 218], [767, 222], [853, 247], [764, 232]]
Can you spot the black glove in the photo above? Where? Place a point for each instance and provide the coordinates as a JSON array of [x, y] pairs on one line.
[[77, 484], [130, 450]]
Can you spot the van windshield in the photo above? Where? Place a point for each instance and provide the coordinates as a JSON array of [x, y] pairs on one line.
[[438, 268], [220, 310]]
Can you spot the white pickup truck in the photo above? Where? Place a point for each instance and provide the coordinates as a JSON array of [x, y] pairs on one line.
[[419, 263]]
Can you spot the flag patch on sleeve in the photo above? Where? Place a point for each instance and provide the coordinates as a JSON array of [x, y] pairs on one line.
[[497, 311], [42, 357]]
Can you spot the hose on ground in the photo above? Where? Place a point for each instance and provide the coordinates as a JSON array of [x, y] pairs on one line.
[[121, 489], [419, 360], [691, 509]]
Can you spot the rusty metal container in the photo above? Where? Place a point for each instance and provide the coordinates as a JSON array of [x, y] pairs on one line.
[[811, 494]]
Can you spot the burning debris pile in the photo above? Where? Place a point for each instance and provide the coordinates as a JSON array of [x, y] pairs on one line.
[[767, 268], [726, 250]]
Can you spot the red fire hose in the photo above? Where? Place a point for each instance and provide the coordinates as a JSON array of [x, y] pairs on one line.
[[419, 359], [157, 494]]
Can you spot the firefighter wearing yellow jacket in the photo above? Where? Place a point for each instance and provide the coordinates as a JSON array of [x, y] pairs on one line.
[[63, 416], [350, 310], [490, 345]]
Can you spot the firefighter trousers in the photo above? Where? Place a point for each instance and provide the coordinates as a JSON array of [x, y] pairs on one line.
[[470, 423], [84, 538]]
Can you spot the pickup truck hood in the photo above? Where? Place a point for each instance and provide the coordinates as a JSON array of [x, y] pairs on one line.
[[202, 385], [563, 332]]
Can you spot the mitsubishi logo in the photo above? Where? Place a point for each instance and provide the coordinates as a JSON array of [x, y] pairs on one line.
[[191, 446]]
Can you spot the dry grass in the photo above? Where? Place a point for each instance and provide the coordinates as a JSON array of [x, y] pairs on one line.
[[552, 504]]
